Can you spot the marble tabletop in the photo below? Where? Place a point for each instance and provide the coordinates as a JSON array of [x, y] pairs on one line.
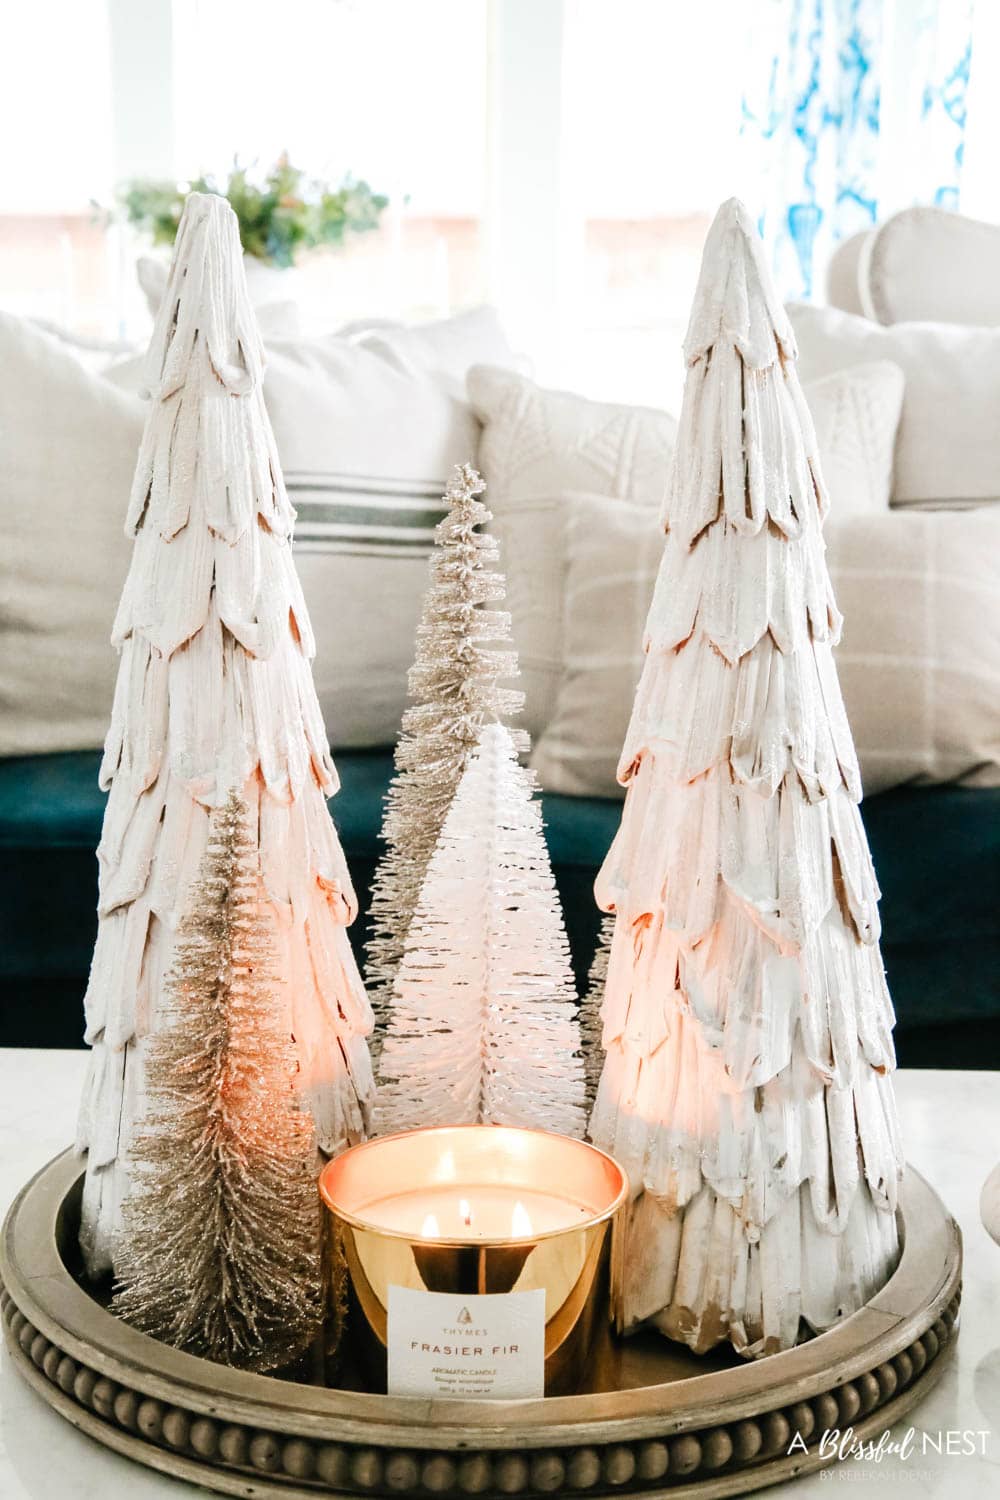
[[951, 1126]]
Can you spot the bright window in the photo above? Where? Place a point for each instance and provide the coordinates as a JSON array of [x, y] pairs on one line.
[[559, 157], [388, 90], [652, 126], [56, 125]]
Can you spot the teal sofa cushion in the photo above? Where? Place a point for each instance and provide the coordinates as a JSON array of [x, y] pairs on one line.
[[936, 852]]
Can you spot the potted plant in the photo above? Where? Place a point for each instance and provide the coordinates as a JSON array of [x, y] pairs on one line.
[[280, 214]]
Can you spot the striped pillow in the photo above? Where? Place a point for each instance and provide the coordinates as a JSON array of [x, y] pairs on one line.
[[368, 431], [368, 426], [363, 515]]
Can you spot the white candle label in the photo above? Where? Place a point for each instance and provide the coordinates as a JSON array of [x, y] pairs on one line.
[[479, 1348]]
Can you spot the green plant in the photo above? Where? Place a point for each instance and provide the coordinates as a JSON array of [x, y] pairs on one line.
[[279, 215]]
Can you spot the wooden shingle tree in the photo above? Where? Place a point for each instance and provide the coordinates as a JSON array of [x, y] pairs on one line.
[[214, 694], [747, 1027]]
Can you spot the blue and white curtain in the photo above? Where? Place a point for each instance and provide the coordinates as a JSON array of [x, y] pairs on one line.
[[852, 110]]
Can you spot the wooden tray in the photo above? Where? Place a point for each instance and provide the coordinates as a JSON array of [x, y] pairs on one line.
[[658, 1420]]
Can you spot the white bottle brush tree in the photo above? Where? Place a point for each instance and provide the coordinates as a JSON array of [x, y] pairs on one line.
[[214, 691], [463, 655], [483, 1025], [220, 1249], [746, 1086], [591, 1026]]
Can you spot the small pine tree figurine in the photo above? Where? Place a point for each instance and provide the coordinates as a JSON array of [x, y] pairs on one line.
[[747, 1084], [483, 1025], [220, 1250], [463, 653]]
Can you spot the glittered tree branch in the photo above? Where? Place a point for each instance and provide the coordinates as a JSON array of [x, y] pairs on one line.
[[483, 1027], [463, 654], [220, 1249], [590, 1011]]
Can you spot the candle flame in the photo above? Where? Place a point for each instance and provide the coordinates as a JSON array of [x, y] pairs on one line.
[[465, 1211], [520, 1222], [430, 1229]]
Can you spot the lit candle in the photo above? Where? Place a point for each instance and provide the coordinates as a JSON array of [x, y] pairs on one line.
[[486, 1213], [472, 1184], [480, 1210]]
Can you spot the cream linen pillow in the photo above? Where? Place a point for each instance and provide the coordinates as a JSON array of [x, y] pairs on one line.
[[68, 442], [539, 446], [948, 447], [613, 551], [919, 662]]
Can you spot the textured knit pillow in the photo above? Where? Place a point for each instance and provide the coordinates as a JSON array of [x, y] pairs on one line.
[[539, 447], [919, 662], [948, 446], [856, 416]]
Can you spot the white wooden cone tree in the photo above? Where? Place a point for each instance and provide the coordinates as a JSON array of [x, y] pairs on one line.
[[746, 1086], [483, 1023], [214, 693]]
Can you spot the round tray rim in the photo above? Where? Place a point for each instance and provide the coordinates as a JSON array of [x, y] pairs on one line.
[[864, 1373], [922, 1285]]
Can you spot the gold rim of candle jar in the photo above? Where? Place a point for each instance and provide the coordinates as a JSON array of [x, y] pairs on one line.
[[356, 1221]]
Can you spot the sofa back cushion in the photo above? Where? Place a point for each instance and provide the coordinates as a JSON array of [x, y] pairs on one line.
[[537, 446], [926, 265], [948, 446]]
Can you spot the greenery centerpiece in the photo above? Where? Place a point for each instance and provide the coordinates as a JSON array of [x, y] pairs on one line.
[[279, 215]]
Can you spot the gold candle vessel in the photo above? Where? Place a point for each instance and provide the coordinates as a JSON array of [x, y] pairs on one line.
[[472, 1211]]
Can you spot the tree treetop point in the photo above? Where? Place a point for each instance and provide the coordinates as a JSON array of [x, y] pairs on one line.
[[736, 301], [205, 302]]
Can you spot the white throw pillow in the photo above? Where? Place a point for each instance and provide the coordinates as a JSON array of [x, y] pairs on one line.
[[367, 434], [539, 447], [919, 661], [948, 448], [856, 417]]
